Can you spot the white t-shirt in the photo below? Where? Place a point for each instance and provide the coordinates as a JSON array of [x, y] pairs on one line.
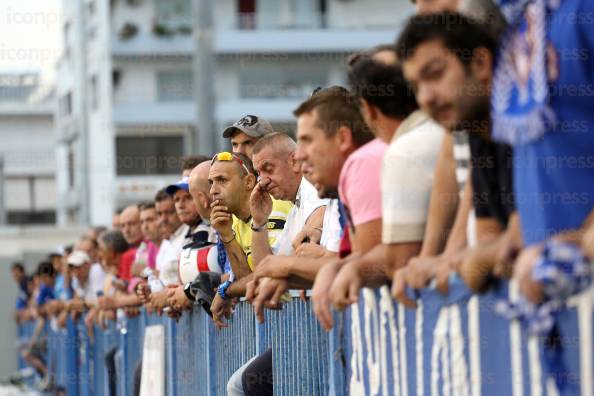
[[168, 255], [407, 178], [306, 203], [331, 230], [94, 283]]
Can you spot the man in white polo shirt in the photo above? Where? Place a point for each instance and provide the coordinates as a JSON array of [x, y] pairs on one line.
[[87, 280]]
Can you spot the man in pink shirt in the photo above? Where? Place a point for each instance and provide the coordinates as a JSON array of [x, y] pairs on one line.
[[359, 192]]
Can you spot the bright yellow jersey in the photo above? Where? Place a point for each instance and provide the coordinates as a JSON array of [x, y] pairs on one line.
[[276, 223]]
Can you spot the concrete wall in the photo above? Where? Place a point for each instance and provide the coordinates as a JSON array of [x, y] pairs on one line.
[[28, 244]]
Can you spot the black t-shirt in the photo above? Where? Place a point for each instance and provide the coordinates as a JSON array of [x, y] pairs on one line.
[[492, 182]]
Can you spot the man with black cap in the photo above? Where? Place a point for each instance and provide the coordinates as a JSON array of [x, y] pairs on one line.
[[245, 132]]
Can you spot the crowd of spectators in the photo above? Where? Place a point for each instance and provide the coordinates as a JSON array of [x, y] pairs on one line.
[[444, 157]]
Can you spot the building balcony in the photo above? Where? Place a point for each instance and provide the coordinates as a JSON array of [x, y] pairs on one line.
[[275, 109], [154, 113], [254, 41], [298, 41], [139, 188]]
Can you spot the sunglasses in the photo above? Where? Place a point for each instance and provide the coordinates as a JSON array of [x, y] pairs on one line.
[[227, 156]]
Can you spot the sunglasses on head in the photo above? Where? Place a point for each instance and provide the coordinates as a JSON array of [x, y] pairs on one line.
[[229, 157]]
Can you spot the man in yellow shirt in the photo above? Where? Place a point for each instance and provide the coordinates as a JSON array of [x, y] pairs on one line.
[[232, 178]]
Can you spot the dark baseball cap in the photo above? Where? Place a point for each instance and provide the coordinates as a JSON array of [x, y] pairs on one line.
[[251, 125]]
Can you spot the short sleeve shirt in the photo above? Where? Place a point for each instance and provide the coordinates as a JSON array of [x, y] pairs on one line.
[[407, 178], [276, 223], [126, 262], [94, 283], [306, 203], [168, 256], [492, 185], [359, 183], [46, 293], [331, 230]]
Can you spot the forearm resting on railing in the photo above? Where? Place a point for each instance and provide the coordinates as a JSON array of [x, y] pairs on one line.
[[237, 259]]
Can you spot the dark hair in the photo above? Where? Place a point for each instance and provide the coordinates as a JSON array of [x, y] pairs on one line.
[[115, 240], [18, 266], [68, 249], [162, 195], [382, 86], [146, 205], [190, 162], [459, 34], [46, 268], [336, 107]]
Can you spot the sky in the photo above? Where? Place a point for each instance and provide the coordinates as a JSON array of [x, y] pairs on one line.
[[30, 36]]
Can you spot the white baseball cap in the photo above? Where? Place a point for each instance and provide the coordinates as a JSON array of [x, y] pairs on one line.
[[78, 258]]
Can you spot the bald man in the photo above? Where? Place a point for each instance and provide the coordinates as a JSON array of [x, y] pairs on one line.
[[130, 227], [201, 257], [200, 189], [130, 224]]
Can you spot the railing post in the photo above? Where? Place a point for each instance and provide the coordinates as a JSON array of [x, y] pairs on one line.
[[71, 358], [170, 366], [84, 376]]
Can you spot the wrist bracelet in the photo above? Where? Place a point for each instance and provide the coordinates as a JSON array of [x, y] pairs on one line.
[[222, 290], [259, 228], [230, 240]]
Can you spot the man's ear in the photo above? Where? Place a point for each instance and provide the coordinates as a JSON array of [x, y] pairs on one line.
[[344, 138], [481, 65], [294, 165], [250, 182], [204, 200]]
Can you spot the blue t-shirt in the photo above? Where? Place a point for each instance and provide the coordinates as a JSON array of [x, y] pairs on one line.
[[22, 296], [554, 175], [46, 293], [60, 290]]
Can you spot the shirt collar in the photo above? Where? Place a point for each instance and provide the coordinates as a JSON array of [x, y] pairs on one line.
[[411, 122], [177, 233], [299, 193]]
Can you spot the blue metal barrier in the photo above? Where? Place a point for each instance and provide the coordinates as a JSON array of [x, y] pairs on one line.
[[299, 350], [459, 345], [450, 345]]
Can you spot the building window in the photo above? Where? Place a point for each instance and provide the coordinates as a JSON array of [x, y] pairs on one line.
[[281, 14], [246, 14], [70, 166], [148, 155], [65, 105], [93, 92], [30, 200], [173, 13], [281, 82], [174, 85], [16, 217], [91, 8]]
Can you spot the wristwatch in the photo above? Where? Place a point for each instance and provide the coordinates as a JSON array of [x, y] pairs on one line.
[[189, 292], [222, 289], [260, 228]]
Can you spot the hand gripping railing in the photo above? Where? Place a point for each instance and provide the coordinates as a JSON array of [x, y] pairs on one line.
[[451, 345]]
